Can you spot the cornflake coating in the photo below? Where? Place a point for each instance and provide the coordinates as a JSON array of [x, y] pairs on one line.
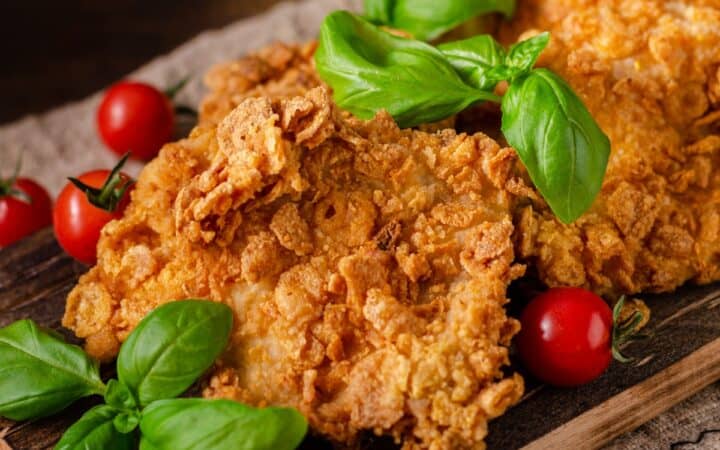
[[277, 71], [649, 72], [367, 267]]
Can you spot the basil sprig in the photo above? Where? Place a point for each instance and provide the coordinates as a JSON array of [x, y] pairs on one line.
[[558, 141], [96, 430], [172, 347], [118, 396], [163, 356], [428, 19], [189, 423], [562, 147], [40, 374], [477, 60], [367, 67]]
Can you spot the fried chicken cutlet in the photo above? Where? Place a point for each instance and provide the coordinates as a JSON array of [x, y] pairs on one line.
[[367, 267], [649, 72]]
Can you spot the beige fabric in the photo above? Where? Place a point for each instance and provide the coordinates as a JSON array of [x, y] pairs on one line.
[[64, 141]]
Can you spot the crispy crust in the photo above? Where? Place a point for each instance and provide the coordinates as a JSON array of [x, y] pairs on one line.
[[277, 71], [649, 72], [367, 267]]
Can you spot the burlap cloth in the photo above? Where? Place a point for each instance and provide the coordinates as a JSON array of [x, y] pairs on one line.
[[64, 141]]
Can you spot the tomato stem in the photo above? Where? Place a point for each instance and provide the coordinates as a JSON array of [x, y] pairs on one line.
[[624, 331], [7, 188], [172, 91], [108, 196]]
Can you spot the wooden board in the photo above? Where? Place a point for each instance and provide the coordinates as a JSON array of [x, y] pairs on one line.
[[682, 357]]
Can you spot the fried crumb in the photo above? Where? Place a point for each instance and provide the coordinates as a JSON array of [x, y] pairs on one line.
[[648, 72], [363, 311]]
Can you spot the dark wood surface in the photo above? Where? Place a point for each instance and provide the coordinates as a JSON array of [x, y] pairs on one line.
[[681, 323], [57, 51], [682, 356]]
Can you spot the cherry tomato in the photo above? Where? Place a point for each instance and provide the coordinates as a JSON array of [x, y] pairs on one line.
[[25, 207], [78, 219], [566, 337], [137, 118]]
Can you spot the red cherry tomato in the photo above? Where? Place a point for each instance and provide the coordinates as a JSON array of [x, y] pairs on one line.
[[78, 222], [22, 215], [137, 118], [566, 336]]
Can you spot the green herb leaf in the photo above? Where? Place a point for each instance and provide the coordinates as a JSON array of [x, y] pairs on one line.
[[40, 374], [476, 60], [147, 445], [118, 396], [171, 347], [379, 11], [370, 70], [186, 424], [428, 19], [563, 149], [522, 56], [95, 430], [126, 422]]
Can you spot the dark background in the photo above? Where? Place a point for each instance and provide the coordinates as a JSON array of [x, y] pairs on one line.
[[54, 51]]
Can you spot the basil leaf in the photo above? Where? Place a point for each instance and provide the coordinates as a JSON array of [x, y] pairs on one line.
[[146, 445], [186, 424], [379, 11], [118, 395], [476, 60], [126, 422], [95, 431], [428, 19], [41, 374], [370, 70], [563, 149], [523, 55], [171, 347]]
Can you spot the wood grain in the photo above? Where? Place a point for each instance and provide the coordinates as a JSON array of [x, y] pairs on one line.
[[682, 323], [640, 403], [682, 357]]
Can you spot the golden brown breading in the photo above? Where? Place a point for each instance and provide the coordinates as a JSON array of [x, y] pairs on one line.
[[649, 72], [277, 71], [367, 267]]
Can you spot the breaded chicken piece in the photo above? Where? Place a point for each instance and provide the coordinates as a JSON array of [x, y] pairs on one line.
[[649, 72], [367, 267]]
